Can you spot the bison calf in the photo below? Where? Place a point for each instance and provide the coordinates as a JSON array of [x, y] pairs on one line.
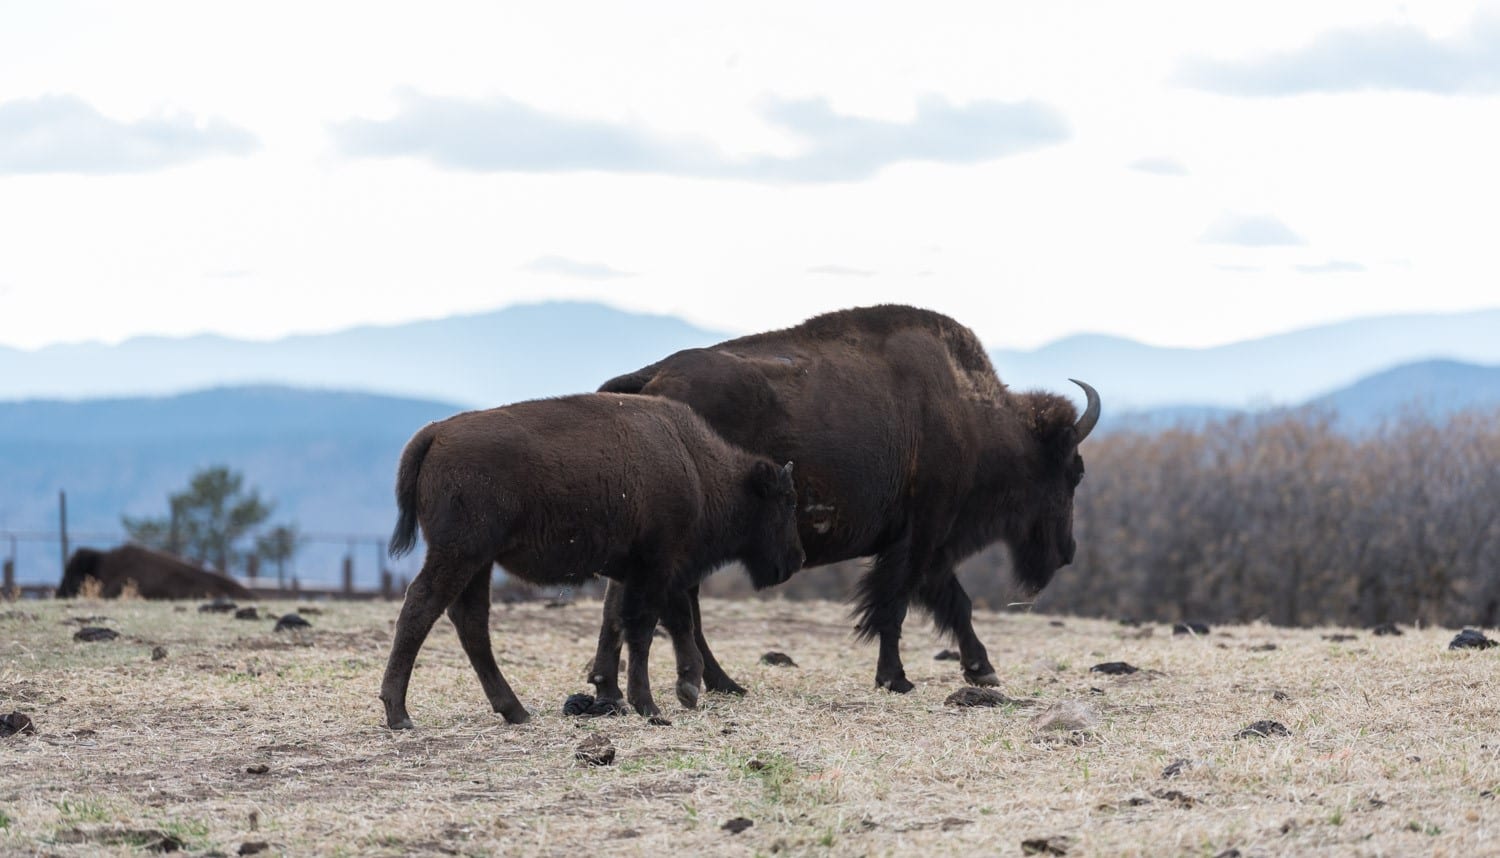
[[635, 488]]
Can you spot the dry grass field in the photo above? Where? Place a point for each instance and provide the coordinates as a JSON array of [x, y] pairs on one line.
[[1393, 747]]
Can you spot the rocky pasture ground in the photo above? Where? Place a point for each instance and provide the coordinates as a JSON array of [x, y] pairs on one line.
[[210, 734]]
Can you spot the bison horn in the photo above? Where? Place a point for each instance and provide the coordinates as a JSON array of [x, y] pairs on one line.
[[1085, 424]]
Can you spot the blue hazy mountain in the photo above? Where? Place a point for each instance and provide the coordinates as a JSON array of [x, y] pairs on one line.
[[1433, 389], [327, 459], [553, 348], [1285, 369], [486, 359]]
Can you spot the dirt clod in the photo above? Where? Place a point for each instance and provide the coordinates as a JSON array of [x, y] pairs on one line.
[[217, 606], [1386, 629], [1073, 716], [258, 769], [1175, 768], [16, 723], [736, 825], [247, 613], [1114, 668], [973, 696], [1055, 845], [1280, 696], [1263, 730], [777, 659], [1190, 629], [596, 750], [1470, 639], [1175, 797], [158, 653], [292, 622], [253, 847], [150, 839], [1339, 637], [947, 655], [92, 634]]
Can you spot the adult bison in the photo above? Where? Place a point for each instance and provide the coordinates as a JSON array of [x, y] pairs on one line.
[[907, 447], [155, 575], [635, 488]]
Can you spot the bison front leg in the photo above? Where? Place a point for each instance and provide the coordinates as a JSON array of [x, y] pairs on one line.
[[883, 597], [953, 612], [605, 674], [714, 677], [678, 618], [641, 608]]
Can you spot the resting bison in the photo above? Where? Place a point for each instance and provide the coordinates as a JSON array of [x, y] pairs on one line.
[[908, 448], [634, 488], [156, 575]]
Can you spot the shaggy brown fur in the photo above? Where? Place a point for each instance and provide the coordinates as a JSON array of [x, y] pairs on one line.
[[908, 448], [634, 488], [155, 575]]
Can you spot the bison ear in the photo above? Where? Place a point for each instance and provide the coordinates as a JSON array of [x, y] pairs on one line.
[[765, 478]]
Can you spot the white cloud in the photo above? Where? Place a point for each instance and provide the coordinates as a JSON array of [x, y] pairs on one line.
[[64, 134], [1383, 57], [1332, 266], [1251, 231], [503, 135], [565, 267], [1159, 166]]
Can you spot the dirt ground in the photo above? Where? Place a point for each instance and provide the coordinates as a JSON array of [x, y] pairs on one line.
[[1392, 747]]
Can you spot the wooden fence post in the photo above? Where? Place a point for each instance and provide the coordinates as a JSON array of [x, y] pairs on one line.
[[386, 583], [348, 574], [8, 589]]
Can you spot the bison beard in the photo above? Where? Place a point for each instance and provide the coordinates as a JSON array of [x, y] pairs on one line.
[[635, 488], [908, 449]]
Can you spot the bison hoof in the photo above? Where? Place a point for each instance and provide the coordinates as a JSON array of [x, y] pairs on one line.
[[987, 680], [900, 685], [403, 724], [725, 686], [687, 694], [516, 714]]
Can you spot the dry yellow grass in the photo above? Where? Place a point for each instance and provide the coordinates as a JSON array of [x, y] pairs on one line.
[[1393, 741]]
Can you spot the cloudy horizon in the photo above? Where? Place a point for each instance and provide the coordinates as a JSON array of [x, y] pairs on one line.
[[1168, 173]]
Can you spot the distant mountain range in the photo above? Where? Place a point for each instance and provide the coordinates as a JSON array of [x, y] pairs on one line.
[[327, 456], [327, 459], [547, 349], [1285, 369], [480, 360]]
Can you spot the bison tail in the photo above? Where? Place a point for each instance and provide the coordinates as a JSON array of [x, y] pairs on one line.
[[81, 565], [405, 534]]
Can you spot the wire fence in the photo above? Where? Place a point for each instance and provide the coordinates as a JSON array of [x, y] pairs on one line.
[[323, 561]]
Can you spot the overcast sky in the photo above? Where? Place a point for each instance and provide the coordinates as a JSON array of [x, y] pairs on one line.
[[1185, 174]]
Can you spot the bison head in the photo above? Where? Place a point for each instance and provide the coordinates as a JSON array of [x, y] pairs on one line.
[[772, 551], [80, 566], [1041, 538]]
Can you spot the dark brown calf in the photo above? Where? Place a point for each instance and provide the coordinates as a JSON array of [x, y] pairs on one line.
[[634, 488]]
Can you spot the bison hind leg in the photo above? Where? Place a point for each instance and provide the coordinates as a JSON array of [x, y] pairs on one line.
[[435, 588], [470, 614]]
